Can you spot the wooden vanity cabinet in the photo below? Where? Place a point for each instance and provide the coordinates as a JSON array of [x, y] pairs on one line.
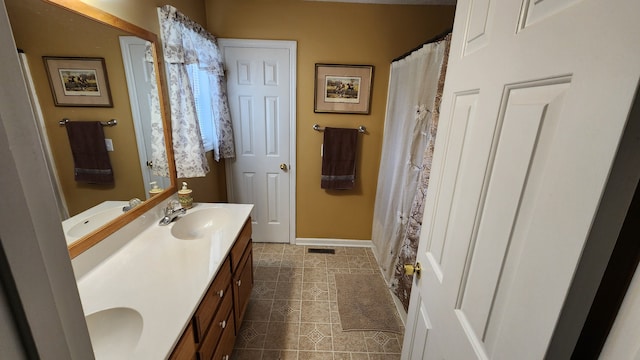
[[240, 246], [186, 347], [228, 339], [242, 284], [213, 328], [219, 324], [242, 270], [218, 292]]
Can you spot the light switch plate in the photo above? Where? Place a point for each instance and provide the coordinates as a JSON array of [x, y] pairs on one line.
[[109, 144]]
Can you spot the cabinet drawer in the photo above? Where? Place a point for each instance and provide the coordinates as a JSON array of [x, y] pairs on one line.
[[211, 301], [218, 326], [241, 243], [225, 346], [186, 347]]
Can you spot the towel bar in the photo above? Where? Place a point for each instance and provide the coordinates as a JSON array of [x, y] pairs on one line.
[[112, 122], [361, 128]]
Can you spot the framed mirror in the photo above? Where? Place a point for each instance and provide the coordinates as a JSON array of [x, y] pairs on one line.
[[73, 29]]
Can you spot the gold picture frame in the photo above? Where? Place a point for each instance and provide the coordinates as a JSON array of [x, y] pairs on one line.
[[78, 81], [343, 89]]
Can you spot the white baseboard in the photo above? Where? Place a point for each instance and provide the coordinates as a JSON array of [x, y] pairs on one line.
[[333, 242], [401, 311]]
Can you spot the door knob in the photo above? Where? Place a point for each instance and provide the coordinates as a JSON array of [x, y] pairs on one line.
[[412, 269], [283, 166]]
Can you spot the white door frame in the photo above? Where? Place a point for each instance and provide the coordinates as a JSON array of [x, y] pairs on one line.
[[44, 138], [36, 258], [292, 46], [137, 116]]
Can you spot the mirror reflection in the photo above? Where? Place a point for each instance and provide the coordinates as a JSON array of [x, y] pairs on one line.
[[42, 29]]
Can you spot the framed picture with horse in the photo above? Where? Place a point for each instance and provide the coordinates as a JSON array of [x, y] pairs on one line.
[[78, 81], [344, 89]]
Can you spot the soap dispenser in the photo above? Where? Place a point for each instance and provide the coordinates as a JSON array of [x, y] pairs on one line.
[[184, 196], [155, 190]]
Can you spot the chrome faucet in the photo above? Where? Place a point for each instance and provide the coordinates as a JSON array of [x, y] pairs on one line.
[[171, 212]]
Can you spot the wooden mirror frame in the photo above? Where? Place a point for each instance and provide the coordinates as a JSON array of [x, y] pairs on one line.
[[83, 244]]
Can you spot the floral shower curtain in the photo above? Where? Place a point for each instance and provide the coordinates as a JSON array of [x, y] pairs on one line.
[[185, 43], [409, 135], [408, 250]]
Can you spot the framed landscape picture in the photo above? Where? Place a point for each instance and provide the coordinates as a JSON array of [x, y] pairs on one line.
[[78, 81], [343, 89]]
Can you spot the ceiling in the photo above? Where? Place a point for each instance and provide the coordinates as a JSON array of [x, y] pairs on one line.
[[397, 2]]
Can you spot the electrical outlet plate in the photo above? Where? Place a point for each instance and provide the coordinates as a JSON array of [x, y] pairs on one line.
[[109, 144]]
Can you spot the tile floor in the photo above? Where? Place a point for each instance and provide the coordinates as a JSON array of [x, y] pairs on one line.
[[293, 314]]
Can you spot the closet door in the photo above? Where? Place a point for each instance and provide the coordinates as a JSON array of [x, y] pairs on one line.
[[261, 91], [535, 104]]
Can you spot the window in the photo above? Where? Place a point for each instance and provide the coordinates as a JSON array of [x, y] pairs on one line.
[[202, 94], [199, 111]]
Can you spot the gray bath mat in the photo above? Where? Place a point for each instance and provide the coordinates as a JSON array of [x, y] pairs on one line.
[[364, 303]]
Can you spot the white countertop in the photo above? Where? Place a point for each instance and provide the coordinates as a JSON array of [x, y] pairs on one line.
[[161, 277]]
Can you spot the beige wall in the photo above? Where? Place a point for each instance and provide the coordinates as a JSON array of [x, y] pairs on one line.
[[211, 188], [340, 34], [326, 33], [45, 30], [143, 12]]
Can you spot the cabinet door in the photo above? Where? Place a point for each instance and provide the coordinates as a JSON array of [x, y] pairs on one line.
[[242, 284], [240, 246]]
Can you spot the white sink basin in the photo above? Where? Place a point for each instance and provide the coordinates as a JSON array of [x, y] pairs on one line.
[[114, 332], [200, 223], [92, 222]]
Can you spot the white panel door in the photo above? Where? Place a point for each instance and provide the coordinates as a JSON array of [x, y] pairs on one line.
[[139, 82], [261, 92], [534, 106]]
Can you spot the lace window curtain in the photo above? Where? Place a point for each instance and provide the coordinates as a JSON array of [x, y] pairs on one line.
[[186, 43]]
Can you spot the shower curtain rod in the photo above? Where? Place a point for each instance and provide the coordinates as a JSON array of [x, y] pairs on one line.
[[436, 38]]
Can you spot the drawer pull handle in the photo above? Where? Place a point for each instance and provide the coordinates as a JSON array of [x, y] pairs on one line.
[[226, 357], [239, 282], [223, 324], [221, 293]]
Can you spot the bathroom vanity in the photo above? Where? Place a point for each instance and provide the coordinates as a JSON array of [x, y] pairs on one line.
[[144, 287], [177, 291], [215, 324]]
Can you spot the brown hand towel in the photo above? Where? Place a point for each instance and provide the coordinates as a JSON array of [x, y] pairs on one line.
[[339, 158], [90, 157]]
